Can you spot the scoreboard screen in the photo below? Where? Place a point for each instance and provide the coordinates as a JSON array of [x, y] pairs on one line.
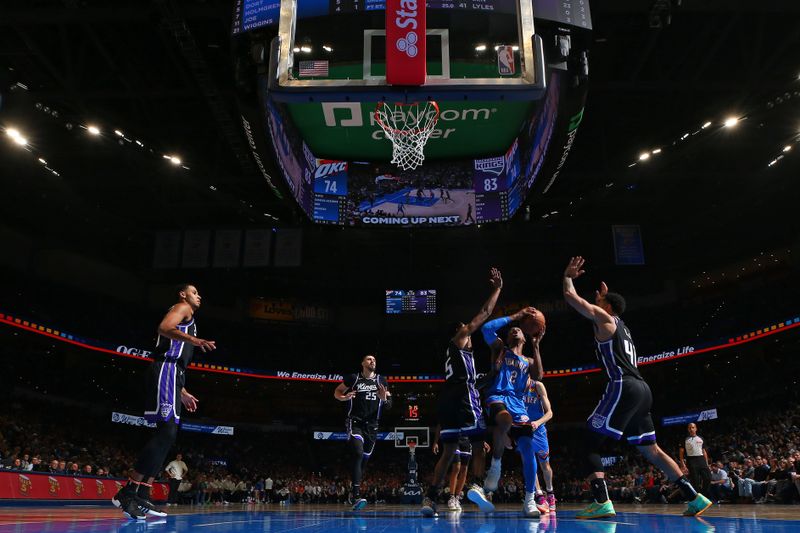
[[410, 302]]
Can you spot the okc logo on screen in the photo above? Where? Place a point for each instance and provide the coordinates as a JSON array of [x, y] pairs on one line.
[[329, 167]]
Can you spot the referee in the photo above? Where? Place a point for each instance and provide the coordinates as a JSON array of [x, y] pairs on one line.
[[694, 459]]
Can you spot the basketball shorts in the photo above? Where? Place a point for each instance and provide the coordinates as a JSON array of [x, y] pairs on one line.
[[541, 446], [163, 385], [506, 402], [366, 432], [464, 451], [460, 415], [624, 411]]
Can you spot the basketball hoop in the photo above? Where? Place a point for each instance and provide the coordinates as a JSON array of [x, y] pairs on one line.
[[408, 126], [412, 447]]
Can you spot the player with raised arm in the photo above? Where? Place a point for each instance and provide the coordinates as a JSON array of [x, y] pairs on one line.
[[367, 392], [460, 412], [165, 392], [505, 395], [624, 409]]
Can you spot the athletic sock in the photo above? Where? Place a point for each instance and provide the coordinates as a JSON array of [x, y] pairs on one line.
[[143, 491], [686, 488], [356, 492], [433, 492], [600, 490], [539, 493]]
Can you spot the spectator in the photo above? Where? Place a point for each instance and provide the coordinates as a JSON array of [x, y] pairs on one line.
[[87, 470], [721, 487], [176, 469]]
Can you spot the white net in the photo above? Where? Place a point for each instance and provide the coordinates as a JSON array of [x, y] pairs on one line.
[[408, 126]]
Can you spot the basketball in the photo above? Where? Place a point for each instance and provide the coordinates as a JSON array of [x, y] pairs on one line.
[[533, 324]]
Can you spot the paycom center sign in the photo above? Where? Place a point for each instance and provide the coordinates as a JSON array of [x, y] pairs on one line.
[[349, 130]]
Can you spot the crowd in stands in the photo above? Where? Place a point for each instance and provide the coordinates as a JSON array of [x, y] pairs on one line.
[[755, 460]]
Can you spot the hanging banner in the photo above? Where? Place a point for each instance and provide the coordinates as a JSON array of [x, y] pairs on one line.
[[167, 249], [405, 42], [195, 248], [227, 244], [628, 249], [257, 243]]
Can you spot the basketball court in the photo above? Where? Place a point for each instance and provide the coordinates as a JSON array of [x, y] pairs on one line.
[[394, 518]]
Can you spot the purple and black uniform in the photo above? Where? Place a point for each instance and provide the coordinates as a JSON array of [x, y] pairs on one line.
[[364, 409], [624, 409], [460, 412], [167, 376]]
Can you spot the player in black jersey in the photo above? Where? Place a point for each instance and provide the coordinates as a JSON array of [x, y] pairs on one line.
[[460, 413], [624, 409], [367, 393], [164, 394]]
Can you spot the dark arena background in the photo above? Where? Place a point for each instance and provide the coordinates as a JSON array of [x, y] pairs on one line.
[[244, 147]]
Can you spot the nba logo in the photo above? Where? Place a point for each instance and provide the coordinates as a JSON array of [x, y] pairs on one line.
[[505, 61]]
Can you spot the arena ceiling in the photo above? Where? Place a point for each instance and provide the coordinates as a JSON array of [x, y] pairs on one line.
[[161, 72]]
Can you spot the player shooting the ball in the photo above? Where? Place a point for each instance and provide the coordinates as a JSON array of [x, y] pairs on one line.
[[505, 397]]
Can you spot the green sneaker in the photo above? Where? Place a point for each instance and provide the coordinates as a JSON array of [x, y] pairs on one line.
[[597, 510], [697, 506]]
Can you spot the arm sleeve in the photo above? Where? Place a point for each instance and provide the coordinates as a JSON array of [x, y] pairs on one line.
[[489, 330]]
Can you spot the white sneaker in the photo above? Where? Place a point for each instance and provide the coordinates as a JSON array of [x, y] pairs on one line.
[[492, 477], [458, 504], [478, 497], [529, 508], [452, 504]]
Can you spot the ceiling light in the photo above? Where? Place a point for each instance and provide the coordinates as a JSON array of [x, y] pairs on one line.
[[644, 156], [657, 151], [94, 130], [13, 133], [42, 161], [119, 133], [787, 148], [327, 48], [295, 49], [707, 124], [515, 48], [480, 48], [731, 122], [306, 49], [174, 160], [684, 136], [20, 140]]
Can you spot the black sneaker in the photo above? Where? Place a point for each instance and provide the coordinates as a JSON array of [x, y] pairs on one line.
[[121, 498], [428, 507], [147, 507], [130, 508]]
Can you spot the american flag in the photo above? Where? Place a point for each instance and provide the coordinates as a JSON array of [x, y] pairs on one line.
[[313, 68]]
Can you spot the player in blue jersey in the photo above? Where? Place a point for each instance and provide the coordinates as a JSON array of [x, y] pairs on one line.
[[533, 447], [624, 409], [460, 412], [505, 395], [164, 393]]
